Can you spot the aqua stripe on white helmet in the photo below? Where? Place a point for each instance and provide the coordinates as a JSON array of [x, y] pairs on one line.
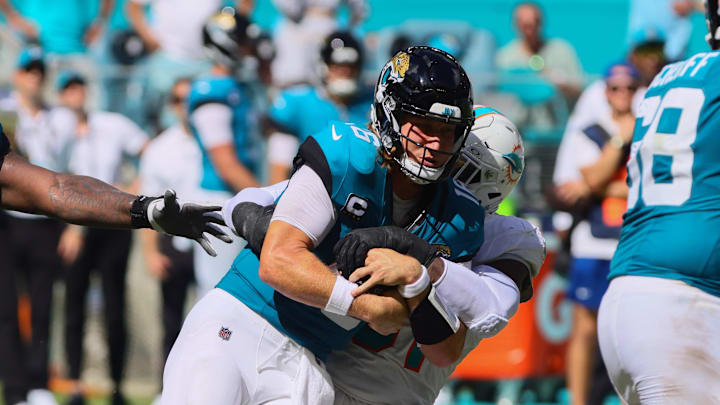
[[493, 158]]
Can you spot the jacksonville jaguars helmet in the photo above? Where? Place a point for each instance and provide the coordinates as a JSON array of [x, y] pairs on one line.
[[492, 159], [341, 48], [713, 22], [424, 82], [228, 37]]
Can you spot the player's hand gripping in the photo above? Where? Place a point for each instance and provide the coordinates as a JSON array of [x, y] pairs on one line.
[[351, 251], [186, 219], [389, 314], [388, 268]]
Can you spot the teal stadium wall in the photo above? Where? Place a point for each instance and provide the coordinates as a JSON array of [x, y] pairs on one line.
[[596, 28]]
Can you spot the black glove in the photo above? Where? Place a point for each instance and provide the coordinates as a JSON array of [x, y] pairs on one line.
[[190, 220], [351, 251], [251, 222]]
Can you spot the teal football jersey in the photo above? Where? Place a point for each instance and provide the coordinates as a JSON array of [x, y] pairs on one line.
[[671, 228], [361, 193], [305, 110], [227, 91]]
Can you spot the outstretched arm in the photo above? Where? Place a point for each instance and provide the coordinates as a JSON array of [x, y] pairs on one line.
[[87, 201], [76, 199]]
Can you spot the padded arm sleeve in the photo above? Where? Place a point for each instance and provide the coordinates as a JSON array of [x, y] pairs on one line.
[[306, 205], [482, 297]]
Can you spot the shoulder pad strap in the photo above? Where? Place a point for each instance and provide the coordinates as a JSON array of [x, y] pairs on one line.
[[311, 154]]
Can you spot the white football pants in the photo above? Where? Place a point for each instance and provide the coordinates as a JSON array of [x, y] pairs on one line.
[[660, 340], [227, 354]]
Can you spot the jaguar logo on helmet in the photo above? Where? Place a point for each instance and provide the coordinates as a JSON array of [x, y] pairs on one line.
[[400, 65]]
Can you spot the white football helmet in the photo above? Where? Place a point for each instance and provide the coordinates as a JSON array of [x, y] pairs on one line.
[[492, 159]]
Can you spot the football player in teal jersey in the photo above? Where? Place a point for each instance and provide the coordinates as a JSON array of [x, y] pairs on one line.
[[300, 111], [659, 321], [221, 120], [273, 320], [392, 369], [219, 106]]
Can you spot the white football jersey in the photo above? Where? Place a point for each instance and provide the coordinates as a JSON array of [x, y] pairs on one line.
[[391, 369]]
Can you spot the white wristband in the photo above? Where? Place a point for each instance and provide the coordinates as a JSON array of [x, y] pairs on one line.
[[341, 298], [416, 288]]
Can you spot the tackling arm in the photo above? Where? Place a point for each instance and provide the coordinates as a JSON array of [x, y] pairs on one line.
[[87, 201], [76, 199], [301, 219]]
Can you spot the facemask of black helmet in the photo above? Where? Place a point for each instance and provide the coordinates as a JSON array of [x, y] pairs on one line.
[[341, 63], [427, 84]]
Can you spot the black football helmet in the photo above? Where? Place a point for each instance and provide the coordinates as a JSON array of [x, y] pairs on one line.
[[228, 37], [425, 82], [713, 22], [341, 48]]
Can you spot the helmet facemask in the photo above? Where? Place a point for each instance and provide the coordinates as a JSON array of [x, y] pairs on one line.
[[396, 104], [341, 49]]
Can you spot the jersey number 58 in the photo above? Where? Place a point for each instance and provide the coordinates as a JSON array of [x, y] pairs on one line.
[[664, 154]]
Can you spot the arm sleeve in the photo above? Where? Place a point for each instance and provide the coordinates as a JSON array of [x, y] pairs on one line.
[[512, 238], [261, 196], [213, 122], [306, 205], [482, 297]]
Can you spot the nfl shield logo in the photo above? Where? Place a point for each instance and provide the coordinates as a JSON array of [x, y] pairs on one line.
[[224, 333]]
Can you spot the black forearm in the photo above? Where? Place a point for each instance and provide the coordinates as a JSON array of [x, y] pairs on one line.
[[88, 201]]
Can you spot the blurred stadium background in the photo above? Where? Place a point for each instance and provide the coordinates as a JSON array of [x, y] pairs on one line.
[[525, 363]]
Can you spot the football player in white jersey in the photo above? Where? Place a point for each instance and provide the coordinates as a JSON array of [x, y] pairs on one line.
[[484, 292]]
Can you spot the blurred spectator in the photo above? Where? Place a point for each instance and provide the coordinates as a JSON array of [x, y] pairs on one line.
[[220, 110], [172, 160], [668, 16], [174, 39], [592, 168], [648, 58], [65, 29], [303, 110], [28, 245], [102, 142], [553, 58], [299, 36]]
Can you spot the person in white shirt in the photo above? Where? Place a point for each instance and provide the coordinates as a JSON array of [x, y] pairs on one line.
[[299, 36], [32, 242], [101, 143], [595, 157], [172, 160], [173, 36]]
